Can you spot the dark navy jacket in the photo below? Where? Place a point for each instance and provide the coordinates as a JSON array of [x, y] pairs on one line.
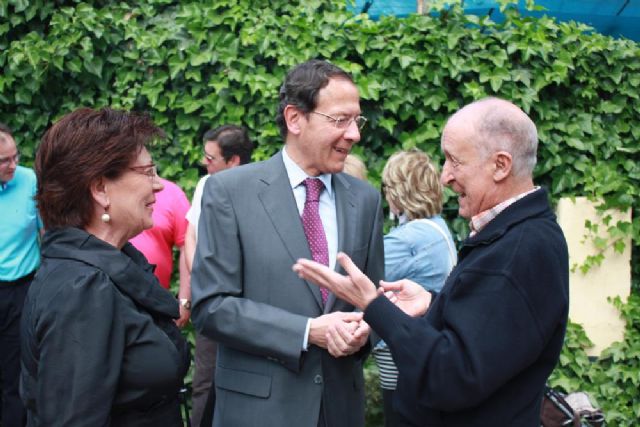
[[485, 348]]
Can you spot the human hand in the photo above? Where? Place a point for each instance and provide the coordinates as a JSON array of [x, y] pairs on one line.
[[182, 321], [355, 288], [344, 339], [319, 327], [409, 296]]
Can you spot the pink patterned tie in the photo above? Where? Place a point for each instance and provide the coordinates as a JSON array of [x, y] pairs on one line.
[[313, 228]]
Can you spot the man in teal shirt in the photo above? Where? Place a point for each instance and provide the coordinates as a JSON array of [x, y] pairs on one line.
[[20, 229]]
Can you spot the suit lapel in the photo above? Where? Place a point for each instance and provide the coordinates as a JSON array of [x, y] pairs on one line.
[[280, 206], [346, 216]]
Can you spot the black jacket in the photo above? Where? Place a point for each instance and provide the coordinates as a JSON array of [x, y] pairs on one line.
[[482, 353], [99, 346]]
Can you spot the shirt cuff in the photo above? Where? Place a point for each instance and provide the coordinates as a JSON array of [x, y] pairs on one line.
[[305, 341]]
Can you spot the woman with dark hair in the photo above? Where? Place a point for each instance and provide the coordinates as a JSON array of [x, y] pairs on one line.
[[99, 345], [420, 248]]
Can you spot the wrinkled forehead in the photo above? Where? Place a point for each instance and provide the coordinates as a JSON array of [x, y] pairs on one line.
[[7, 145]]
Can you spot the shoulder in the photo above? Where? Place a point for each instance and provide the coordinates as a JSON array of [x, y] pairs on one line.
[[248, 174], [25, 176], [202, 180], [418, 230], [72, 281]]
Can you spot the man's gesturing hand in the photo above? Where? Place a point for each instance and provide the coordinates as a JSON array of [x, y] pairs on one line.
[[409, 296], [355, 288]]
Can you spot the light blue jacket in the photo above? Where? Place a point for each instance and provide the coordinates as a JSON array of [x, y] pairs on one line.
[[417, 251]]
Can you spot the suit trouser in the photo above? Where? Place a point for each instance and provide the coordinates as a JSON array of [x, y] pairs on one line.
[[12, 296], [203, 376]]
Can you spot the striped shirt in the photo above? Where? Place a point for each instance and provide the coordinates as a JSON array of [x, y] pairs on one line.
[[479, 221]]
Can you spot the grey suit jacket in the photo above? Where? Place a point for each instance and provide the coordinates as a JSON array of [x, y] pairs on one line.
[[247, 298]]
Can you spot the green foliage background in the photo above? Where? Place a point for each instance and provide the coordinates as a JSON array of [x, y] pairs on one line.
[[194, 65]]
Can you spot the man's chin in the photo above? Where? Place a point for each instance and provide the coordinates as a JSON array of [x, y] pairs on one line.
[[462, 212]]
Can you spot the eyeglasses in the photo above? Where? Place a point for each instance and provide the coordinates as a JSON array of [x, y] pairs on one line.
[[6, 161], [208, 157], [149, 170], [344, 123]]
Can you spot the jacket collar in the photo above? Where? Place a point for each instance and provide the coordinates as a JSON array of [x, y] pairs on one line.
[[532, 205], [128, 269]]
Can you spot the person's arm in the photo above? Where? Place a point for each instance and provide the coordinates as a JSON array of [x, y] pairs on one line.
[[184, 293], [189, 246], [81, 344]]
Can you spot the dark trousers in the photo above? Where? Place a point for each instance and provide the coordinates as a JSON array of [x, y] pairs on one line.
[[391, 417], [12, 295], [203, 386]]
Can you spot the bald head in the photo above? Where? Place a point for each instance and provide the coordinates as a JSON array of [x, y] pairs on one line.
[[5, 134], [499, 125]]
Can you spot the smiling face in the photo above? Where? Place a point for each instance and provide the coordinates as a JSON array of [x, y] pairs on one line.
[[467, 170], [313, 141], [132, 197], [8, 153]]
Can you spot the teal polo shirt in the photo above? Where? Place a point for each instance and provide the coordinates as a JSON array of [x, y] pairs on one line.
[[20, 226]]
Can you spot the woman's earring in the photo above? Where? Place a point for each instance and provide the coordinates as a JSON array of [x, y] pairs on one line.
[[105, 217]]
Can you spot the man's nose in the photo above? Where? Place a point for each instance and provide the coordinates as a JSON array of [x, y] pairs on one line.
[[446, 176], [352, 133]]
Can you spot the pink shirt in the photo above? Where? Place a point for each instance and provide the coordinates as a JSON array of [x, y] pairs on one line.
[[169, 228]]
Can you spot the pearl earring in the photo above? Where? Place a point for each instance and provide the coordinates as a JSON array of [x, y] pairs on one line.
[[105, 218]]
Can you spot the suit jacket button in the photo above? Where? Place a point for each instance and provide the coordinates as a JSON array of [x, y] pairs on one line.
[[317, 379]]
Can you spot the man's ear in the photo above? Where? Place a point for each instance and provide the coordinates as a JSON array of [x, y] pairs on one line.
[[502, 164], [234, 161], [99, 193], [292, 117]]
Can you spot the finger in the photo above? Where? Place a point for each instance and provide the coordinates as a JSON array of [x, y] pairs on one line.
[[349, 316], [362, 332], [336, 343], [317, 273], [311, 271], [393, 286]]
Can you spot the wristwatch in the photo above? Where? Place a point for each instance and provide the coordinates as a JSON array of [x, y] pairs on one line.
[[185, 303]]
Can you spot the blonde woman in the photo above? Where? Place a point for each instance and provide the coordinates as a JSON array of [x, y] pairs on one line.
[[420, 248]]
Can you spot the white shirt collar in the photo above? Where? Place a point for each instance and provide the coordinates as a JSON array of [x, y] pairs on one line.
[[297, 175]]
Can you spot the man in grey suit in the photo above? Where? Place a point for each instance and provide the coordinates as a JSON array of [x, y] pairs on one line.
[[289, 355]]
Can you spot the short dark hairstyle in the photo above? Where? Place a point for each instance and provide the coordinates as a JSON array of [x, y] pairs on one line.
[[4, 130], [302, 85], [232, 140], [80, 148]]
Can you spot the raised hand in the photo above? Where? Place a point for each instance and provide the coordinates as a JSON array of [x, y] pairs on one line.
[[409, 296], [355, 287]]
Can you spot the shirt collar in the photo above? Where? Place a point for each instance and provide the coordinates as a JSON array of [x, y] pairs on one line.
[[297, 175], [479, 221]]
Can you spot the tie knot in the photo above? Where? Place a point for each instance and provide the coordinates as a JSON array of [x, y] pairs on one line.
[[314, 188]]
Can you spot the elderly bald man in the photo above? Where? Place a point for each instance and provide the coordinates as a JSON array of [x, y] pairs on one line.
[[479, 352]]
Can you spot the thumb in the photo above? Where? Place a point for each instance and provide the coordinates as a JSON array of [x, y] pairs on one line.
[[348, 265]]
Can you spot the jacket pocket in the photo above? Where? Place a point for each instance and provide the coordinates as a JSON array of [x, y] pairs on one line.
[[250, 383]]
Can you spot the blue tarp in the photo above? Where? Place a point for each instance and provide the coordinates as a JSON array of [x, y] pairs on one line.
[[617, 18]]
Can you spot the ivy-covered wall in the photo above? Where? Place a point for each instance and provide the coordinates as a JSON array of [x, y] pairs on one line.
[[198, 64]]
